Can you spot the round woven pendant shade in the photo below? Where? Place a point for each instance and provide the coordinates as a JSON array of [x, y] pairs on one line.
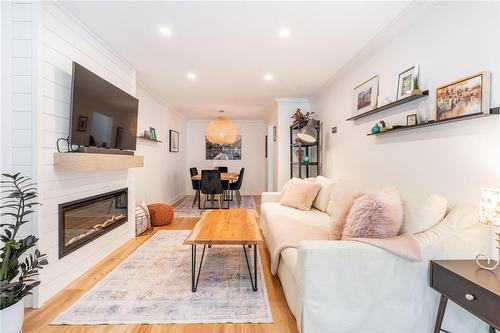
[[221, 131]]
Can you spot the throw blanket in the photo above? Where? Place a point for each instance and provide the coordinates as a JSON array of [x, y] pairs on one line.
[[285, 232]]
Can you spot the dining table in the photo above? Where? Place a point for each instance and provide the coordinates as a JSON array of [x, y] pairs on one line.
[[227, 176]]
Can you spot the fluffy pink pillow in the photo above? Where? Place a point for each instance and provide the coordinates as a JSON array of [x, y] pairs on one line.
[[300, 193], [377, 214]]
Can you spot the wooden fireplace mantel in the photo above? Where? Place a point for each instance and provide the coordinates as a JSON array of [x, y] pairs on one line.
[[87, 162]]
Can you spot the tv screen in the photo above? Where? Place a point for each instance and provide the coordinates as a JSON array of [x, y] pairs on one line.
[[102, 115]]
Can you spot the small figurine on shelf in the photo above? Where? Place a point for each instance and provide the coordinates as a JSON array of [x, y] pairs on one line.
[[383, 128], [300, 118], [376, 129], [306, 158]]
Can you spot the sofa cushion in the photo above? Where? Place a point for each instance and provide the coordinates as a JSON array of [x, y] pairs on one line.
[[321, 201], [300, 194], [422, 211], [343, 194], [377, 214], [313, 217]]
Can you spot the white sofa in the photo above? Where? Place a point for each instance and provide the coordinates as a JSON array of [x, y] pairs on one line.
[[348, 286]]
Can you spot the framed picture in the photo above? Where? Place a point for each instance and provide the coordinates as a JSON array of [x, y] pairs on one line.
[[223, 152], [411, 120], [152, 133], [82, 123], [365, 96], [406, 82], [470, 95], [173, 141]]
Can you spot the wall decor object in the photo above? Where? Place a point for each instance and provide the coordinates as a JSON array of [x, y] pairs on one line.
[[173, 141], [152, 133], [274, 133], [230, 151], [375, 128], [82, 123], [383, 127], [407, 82], [365, 96], [411, 120], [469, 95]]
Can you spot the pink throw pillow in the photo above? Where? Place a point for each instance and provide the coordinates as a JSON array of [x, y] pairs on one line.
[[300, 193], [377, 214]]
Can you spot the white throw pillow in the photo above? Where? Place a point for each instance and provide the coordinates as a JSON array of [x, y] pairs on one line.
[[321, 201], [342, 194], [422, 211], [300, 194]]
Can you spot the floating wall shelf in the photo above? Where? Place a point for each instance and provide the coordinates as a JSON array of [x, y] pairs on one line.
[[87, 162], [146, 138], [390, 105], [493, 112]]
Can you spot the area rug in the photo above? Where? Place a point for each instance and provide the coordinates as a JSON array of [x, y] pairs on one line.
[[184, 208], [153, 286]]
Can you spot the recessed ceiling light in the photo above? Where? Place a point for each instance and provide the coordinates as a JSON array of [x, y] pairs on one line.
[[268, 77], [191, 76], [165, 31], [284, 33]]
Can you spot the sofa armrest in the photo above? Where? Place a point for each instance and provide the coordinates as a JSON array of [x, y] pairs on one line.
[[359, 280], [270, 197]]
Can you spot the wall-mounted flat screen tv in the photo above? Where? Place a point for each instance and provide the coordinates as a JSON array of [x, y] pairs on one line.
[[102, 115]]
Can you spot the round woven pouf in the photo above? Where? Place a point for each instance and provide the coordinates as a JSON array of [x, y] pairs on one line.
[[161, 214]]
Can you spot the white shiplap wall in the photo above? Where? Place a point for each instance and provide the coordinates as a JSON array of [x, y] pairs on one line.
[[64, 40]]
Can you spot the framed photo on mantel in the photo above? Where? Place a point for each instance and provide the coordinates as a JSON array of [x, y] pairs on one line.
[[365, 96]]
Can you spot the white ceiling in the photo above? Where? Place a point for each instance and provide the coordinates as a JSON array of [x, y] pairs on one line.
[[232, 45]]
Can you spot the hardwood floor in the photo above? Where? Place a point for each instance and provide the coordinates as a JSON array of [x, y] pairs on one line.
[[38, 320]]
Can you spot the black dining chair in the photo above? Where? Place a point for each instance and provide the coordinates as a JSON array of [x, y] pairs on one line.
[[211, 185], [236, 186], [196, 185], [222, 169], [225, 183]]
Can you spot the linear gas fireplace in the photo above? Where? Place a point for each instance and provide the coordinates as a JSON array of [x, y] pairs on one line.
[[83, 220]]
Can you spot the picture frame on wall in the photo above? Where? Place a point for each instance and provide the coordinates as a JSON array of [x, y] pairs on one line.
[[466, 96], [173, 141], [406, 82], [365, 96]]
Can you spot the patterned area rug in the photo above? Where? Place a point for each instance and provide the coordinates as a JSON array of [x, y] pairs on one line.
[[153, 286], [184, 209]]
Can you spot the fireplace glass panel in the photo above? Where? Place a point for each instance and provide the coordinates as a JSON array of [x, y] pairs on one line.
[[86, 219]]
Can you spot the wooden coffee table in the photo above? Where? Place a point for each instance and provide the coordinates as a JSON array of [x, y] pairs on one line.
[[225, 227]]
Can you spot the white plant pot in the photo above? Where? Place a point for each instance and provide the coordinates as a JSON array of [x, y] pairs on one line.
[[11, 318]]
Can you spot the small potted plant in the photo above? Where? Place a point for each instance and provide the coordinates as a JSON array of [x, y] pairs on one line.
[[18, 267], [383, 128]]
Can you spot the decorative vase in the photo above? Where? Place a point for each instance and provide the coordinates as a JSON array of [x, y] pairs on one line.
[[306, 159], [11, 318], [376, 129], [300, 155]]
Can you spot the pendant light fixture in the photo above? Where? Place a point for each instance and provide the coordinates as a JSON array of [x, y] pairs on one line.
[[221, 131]]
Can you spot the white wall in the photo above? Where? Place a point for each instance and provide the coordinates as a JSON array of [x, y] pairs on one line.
[[449, 40], [252, 154], [163, 178], [62, 40]]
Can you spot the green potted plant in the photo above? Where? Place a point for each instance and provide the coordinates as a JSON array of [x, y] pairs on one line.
[[18, 267]]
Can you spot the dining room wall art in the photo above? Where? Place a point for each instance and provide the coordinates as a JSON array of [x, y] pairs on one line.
[[466, 96], [230, 151], [365, 96], [173, 141]]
